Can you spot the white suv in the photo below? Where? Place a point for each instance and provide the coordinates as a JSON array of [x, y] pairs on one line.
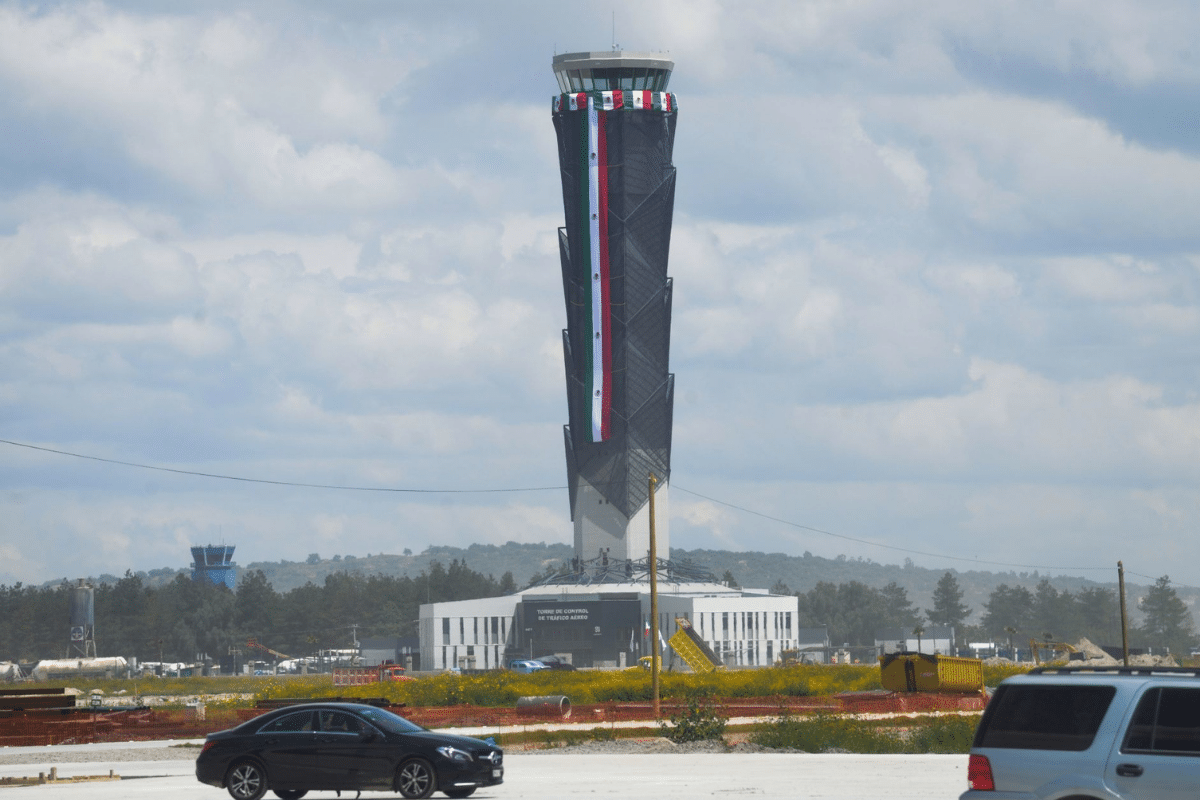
[[1090, 733]]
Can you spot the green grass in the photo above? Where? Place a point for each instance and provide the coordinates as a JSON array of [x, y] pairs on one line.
[[828, 733]]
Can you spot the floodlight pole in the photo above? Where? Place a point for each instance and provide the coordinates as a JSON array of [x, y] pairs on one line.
[[654, 651]]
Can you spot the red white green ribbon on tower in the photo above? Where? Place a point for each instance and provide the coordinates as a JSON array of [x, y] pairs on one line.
[[632, 100], [598, 371], [592, 109]]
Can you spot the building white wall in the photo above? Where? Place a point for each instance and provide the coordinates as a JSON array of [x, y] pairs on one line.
[[744, 628], [466, 633]]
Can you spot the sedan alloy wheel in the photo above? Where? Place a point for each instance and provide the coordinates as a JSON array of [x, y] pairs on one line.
[[415, 779], [246, 781]]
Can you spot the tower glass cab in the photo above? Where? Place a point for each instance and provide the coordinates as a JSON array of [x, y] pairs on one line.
[[596, 72], [615, 124]]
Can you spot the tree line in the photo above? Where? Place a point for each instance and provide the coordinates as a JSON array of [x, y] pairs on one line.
[[186, 618], [183, 618], [1012, 615]]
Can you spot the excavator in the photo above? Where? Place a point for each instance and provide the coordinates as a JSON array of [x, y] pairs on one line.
[[1053, 647]]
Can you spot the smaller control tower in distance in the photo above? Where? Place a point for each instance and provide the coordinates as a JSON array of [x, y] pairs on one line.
[[615, 123], [214, 564]]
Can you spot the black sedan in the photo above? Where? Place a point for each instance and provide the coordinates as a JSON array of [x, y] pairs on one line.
[[344, 746]]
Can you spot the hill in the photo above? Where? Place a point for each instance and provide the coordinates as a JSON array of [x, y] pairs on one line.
[[750, 569]]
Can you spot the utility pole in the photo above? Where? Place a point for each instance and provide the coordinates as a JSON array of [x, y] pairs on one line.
[[655, 658], [1124, 619]]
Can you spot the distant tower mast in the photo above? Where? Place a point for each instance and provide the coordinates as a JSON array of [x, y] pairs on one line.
[[83, 621]]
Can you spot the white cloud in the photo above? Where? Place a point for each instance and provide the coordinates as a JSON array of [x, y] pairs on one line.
[[1020, 166], [1114, 279], [977, 284], [931, 283], [1012, 425], [194, 100], [333, 253]]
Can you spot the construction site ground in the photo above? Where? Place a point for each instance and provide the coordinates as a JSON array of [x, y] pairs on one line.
[[117, 724]]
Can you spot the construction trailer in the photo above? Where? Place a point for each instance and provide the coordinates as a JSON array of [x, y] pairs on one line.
[[918, 672]]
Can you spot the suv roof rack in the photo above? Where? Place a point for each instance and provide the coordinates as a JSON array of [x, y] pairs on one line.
[[1117, 670]]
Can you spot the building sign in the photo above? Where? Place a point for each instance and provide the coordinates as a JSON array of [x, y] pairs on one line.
[[563, 614]]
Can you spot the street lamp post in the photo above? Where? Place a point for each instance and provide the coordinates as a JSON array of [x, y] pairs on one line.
[[654, 649]]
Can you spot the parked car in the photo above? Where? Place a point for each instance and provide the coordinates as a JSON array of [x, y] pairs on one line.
[[343, 747], [1089, 733], [554, 662], [526, 666]]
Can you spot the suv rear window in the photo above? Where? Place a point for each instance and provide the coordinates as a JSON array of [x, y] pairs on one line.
[[1167, 720], [1045, 717]]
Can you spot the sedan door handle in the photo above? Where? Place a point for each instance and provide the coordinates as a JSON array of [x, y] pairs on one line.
[[1129, 770]]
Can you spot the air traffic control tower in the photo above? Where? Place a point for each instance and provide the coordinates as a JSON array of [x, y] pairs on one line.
[[615, 122]]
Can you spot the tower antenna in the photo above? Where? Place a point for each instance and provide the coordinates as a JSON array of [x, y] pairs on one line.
[[614, 30]]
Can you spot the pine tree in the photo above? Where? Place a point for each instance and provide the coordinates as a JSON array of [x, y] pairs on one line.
[[1008, 607], [948, 607], [898, 609], [1168, 622]]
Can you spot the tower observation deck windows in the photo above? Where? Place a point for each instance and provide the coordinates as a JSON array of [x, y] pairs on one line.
[[627, 78]]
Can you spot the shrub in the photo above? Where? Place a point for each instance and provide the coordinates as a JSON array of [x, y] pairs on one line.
[[698, 723], [603, 735]]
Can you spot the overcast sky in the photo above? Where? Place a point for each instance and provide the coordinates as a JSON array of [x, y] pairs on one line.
[[937, 278]]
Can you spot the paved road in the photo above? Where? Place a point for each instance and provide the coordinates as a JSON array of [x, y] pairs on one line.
[[628, 777]]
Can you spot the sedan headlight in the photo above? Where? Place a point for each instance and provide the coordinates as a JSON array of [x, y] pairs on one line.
[[454, 754]]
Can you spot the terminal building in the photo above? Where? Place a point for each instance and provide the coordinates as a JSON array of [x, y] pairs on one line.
[[598, 618], [615, 124]]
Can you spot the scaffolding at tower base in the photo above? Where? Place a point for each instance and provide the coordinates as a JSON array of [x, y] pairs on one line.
[[605, 570]]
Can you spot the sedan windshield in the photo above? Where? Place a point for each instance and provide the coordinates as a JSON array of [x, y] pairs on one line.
[[392, 723]]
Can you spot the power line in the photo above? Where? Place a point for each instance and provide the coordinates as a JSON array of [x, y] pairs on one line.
[[336, 487], [877, 544], [394, 490]]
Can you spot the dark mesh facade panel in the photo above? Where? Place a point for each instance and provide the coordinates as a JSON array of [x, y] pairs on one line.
[[572, 467], [641, 194], [647, 342]]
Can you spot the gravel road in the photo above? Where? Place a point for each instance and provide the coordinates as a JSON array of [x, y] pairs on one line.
[[175, 750]]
